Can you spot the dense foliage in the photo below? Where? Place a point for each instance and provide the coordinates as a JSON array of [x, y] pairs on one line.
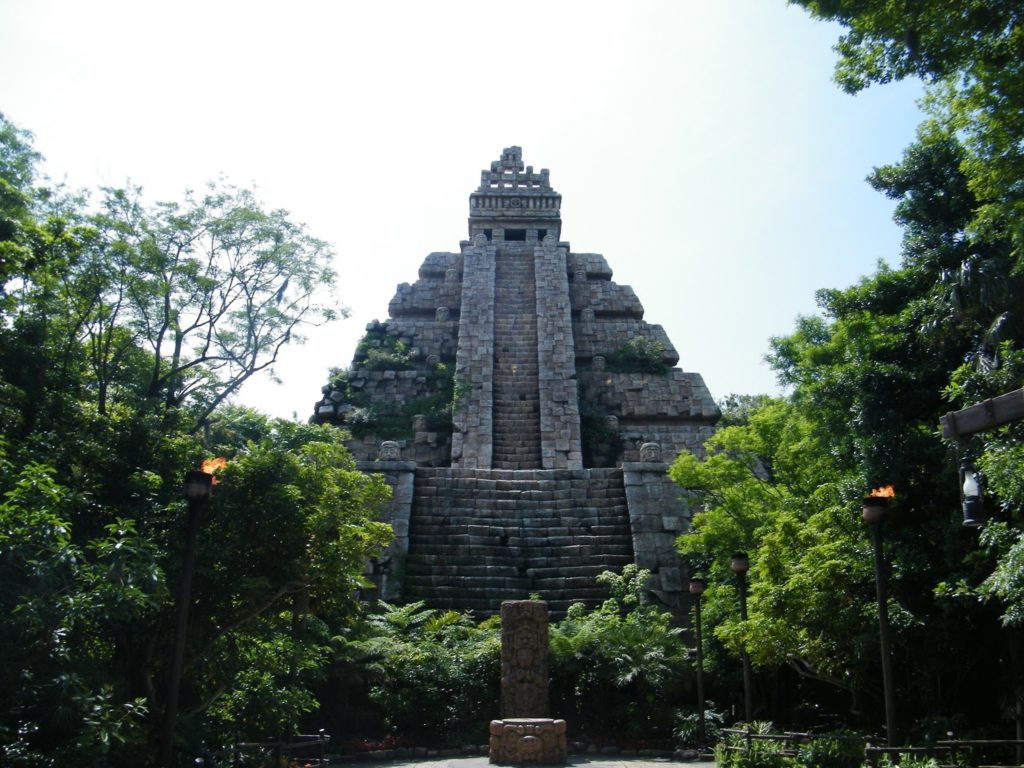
[[619, 672], [869, 378], [124, 330]]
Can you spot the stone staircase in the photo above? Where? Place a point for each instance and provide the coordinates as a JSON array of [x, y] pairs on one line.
[[516, 391], [478, 537]]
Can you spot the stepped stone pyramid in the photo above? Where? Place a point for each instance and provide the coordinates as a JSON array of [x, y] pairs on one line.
[[524, 413]]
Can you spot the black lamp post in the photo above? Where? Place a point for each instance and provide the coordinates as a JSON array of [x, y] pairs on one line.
[[970, 495], [697, 586], [198, 489], [740, 564], [874, 512]]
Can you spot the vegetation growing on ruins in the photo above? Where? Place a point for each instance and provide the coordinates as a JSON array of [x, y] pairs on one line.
[[394, 420], [601, 443], [637, 355], [378, 350]]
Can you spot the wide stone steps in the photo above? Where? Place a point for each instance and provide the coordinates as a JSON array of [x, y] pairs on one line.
[[478, 537]]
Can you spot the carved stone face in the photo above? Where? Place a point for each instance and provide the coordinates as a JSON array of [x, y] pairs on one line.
[[389, 451], [451, 276], [442, 314], [587, 315], [433, 360], [650, 452], [612, 422], [597, 362]]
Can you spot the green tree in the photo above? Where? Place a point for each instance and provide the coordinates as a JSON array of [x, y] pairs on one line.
[[17, 175], [971, 52], [123, 334], [278, 572]]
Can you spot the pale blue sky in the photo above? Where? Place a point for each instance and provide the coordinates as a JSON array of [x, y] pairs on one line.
[[701, 147]]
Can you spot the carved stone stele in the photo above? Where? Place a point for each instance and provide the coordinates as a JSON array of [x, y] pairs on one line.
[[525, 735], [524, 658]]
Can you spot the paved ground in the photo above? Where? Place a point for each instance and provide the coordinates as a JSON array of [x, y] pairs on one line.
[[589, 761]]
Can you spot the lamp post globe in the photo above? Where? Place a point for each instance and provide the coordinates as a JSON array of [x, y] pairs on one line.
[[970, 495]]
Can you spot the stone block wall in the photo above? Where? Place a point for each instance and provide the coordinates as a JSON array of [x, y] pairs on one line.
[[605, 298], [592, 265], [432, 290], [388, 570], [425, 337], [657, 515], [601, 335], [556, 358], [474, 369]]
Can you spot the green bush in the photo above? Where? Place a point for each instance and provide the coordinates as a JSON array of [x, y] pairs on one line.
[[433, 675], [638, 355], [380, 351], [687, 730], [616, 669], [834, 750]]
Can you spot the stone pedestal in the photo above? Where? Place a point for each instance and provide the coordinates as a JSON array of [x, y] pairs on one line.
[[528, 741]]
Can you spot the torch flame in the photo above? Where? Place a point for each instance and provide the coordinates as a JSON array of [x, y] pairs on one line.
[[213, 466], [885, 492]]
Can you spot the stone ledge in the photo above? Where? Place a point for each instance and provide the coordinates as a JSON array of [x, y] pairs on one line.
[[645, 466], [386, 466]]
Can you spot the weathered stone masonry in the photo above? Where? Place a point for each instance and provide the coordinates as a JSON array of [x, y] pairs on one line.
[[551, 465]]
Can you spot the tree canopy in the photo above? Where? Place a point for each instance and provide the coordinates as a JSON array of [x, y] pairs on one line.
[[868, 379], [125, 328]]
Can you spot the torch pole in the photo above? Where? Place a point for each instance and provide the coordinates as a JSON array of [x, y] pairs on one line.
[[197, 507]]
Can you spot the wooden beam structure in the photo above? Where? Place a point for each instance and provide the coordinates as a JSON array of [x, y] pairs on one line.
[[989, 414]]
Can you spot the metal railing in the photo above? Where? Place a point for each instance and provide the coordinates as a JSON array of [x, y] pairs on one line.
[[948, 753], [303, 750]]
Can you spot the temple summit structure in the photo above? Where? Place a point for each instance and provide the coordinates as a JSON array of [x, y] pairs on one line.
[[524, 413]]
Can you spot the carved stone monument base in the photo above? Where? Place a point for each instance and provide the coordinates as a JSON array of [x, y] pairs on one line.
[[528, 741]]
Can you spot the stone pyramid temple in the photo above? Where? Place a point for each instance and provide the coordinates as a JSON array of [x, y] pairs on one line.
[[524, 413]]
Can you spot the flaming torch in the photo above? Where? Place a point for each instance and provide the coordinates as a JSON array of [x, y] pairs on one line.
[[213, 466], [876, 504]]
